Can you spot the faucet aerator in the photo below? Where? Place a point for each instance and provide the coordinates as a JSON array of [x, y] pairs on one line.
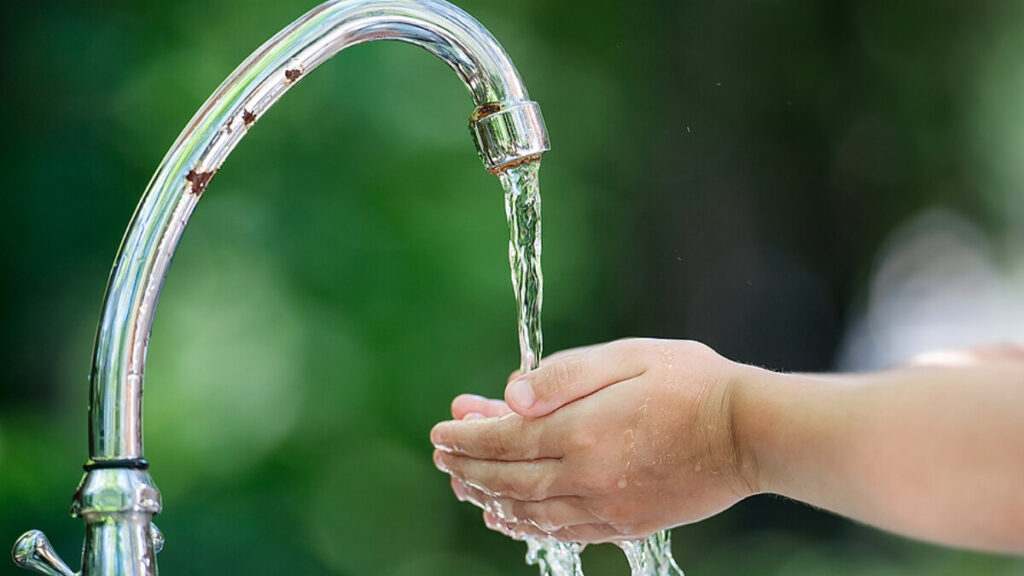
[[508, 135]]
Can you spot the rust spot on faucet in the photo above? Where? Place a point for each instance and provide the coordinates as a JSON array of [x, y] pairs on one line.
[[198, 181], [248, 117], [292, 75], [485, 110]]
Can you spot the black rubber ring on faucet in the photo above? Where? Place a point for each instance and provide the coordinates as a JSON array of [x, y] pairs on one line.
[[130, 463]]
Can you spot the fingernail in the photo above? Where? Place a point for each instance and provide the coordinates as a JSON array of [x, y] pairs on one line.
[[520, 393], [439, 461], [473, 416], [459, 489], [490, 520], [436, 435]]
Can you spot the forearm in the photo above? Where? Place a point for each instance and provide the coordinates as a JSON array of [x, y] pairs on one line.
[[935, 453]]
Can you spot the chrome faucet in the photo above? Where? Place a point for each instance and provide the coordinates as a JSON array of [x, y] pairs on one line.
[[117, 497]]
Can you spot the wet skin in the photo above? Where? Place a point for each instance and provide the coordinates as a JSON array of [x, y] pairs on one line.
[[616, 441]]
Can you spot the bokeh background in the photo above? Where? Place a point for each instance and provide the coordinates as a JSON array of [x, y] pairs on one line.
[[804, 185]]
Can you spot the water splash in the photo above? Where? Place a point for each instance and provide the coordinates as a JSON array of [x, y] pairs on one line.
[[651, 557], [554, 558]]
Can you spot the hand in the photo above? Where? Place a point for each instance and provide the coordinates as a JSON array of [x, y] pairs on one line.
[[472, 406], [606, 443]]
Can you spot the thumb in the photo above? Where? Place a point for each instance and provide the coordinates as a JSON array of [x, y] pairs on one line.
[[565, 378]]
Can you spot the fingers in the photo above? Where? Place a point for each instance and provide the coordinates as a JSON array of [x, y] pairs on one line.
[[548, 515], [564, 378], [554, 358], [528, 481], [472, 404], [583, 533], [561, 354], [494, 523], [466, 405], [508, 438]]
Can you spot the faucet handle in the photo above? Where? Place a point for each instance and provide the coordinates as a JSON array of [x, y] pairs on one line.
[[34, 552]]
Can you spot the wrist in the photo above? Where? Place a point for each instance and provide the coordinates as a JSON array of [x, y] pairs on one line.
[[758, 427]]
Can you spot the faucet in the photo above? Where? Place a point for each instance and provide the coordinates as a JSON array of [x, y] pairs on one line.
[[117, 497]]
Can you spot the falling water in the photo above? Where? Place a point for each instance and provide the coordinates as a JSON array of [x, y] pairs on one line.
[[522, 206], [651, 557]]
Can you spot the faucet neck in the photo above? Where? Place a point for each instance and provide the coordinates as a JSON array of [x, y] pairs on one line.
[[508, 129]]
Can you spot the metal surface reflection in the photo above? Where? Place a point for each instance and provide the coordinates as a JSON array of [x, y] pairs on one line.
[[117, 497]]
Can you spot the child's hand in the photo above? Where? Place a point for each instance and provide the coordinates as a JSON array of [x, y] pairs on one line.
[[607, 443]]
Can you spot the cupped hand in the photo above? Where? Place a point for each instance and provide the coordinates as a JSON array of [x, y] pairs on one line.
[[606, 443]]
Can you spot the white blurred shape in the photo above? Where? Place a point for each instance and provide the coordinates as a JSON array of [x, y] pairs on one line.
[[935, 287], [953, 357]]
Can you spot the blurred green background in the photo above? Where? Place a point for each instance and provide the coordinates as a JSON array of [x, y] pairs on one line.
[[723, 171]]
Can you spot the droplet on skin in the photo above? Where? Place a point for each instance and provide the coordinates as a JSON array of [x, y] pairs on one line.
[[623, 482], [697, 467]]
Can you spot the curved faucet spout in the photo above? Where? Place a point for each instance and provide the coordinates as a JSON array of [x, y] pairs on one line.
[[506, 125], [117, 497]]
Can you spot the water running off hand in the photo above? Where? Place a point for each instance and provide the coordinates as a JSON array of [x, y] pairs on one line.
[[651, 557]]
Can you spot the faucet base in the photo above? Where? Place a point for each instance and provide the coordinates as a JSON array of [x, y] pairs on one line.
[[123, 544], [117, 499]]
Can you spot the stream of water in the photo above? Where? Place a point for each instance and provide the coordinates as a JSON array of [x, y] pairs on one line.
[[651, 557]]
